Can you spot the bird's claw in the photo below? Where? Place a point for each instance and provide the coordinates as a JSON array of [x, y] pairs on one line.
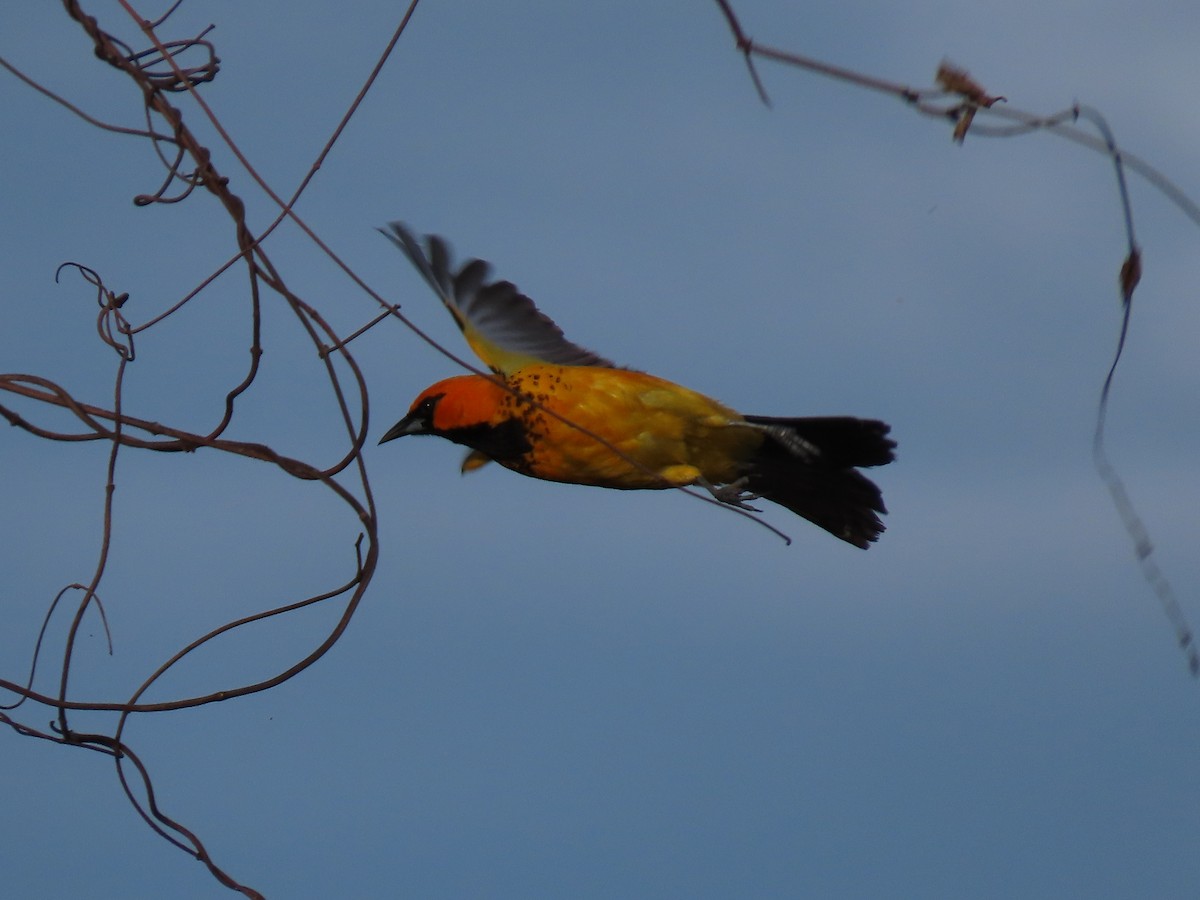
[[733, 494]]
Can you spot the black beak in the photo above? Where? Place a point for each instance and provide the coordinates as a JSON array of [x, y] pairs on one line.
[[410, 424]]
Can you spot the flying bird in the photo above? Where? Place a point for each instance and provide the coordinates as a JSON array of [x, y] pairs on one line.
[[667, 435]]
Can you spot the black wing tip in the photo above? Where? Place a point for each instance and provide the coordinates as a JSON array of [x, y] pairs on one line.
[[398, 233], [496, 310], [409, 241]]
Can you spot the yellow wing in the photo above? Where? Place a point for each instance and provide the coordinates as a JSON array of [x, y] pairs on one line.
[[503, 326]]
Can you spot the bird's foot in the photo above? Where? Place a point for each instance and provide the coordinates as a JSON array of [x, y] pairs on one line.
[[733, 494]]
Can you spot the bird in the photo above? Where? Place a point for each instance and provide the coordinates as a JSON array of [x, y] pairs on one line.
[[555, 411]]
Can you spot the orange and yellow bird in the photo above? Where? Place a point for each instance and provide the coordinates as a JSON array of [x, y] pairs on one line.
[[667, 435]]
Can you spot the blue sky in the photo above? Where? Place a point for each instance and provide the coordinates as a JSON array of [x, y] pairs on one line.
[[555, 691]]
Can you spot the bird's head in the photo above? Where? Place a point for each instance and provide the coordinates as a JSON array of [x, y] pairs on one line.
[[464, 401], [469, 410]]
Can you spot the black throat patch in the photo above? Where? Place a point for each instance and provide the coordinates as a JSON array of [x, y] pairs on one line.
[[504, 442]]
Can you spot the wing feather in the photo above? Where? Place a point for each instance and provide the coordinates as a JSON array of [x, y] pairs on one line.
[[503, 326]]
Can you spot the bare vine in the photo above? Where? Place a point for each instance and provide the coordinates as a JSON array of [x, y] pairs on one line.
[[163, 69], [961, 101]]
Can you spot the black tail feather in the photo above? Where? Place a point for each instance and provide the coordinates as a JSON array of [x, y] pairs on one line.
[[815, 477]]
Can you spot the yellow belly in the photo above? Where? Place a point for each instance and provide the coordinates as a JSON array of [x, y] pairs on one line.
[[671, 434]]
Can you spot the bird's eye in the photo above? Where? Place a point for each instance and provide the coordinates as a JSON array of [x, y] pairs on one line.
[[425, 410]]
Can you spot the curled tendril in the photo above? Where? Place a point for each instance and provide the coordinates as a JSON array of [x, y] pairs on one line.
[[114, 329], [156, 66]]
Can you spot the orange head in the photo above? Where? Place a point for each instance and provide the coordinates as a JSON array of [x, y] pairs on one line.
[[469, 410]]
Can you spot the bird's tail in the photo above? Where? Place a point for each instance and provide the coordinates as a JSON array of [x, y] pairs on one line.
[[808, 465]]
